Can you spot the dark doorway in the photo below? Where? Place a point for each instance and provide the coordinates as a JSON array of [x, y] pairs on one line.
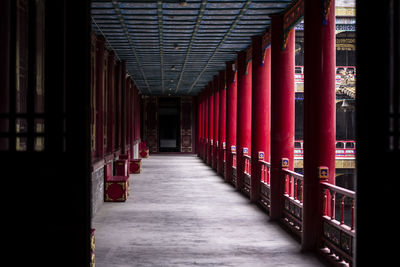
[[169, 124]]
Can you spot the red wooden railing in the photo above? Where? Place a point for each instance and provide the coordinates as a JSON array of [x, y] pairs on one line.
[[344, 149], [224, 161], [247, 174], [338, 224], [265, 197], [247, 164], [292, 215], [234, 171]]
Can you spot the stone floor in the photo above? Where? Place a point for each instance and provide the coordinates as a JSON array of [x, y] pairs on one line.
[[180, 213]]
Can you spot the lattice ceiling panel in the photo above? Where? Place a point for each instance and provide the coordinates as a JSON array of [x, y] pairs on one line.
[[174, 48]]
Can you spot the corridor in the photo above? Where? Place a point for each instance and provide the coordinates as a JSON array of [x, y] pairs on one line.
[[180, 213]]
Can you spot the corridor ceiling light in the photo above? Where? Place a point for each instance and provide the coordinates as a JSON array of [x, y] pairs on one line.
[[176, 47], [173, 67], [171, 81], [182, 3]]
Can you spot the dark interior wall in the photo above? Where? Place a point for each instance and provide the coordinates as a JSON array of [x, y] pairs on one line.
[[46, 162], [378, 131]]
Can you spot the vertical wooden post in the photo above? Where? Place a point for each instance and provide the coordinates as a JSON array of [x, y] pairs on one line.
[[222, 121], [243, 113], [231, 116], [319, 112], [282, 110], [261, 112]]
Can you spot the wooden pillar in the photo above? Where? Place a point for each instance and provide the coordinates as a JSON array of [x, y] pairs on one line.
[[243, 113], [210, 123], [282, 110], [206, 125], [199, 124], [215, 121], [111, 103], [222, 122], [100, 50], [124, 95], [261, 112], [231, 116], [203, 123], [319, 113]]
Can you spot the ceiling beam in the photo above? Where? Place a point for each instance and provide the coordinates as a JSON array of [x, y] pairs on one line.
[[132, 45], [233, 25], [161, 40], [194, 33]]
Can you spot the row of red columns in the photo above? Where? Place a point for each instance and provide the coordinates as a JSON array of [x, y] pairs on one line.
[[249, 108], [115, 106]]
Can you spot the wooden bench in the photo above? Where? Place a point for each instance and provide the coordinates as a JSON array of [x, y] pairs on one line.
[[116, 188], [143, 150], [135, 166]]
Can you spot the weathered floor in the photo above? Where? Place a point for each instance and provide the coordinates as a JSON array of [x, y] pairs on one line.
[[180, 213]]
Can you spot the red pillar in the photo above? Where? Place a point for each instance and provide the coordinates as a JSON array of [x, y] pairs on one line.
[[210, 123], [202, 130], [215, 121], [319, 113], [243, 114], [118, 123], [199, 113], [260, 115], [231, 116], [131, 119], [282, 111], [222, 122], [111, 103], [124, 85], [100, 50], [206, 131]]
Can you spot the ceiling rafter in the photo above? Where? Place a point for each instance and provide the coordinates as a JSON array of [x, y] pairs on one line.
[[189, 49], [180, 47], [132, 45], [161, 41], [233, 25]]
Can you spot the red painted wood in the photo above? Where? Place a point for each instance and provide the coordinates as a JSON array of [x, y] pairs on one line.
[[210, 123], [282, 111], [222, 121], [111, 103], [215, 121], [231, 116], [118, 76], [206, 126], [199, 112], [203, 126], [100, 50], [243, 113], [261, 113], [319, 114]]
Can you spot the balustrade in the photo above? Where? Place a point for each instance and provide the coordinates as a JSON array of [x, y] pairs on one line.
[[247, 173], [344, 149], [265, 197], [292, 214], [234, 171], [338, 224]]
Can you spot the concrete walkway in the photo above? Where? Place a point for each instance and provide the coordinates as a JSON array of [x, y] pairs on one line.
[[180, 213]]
